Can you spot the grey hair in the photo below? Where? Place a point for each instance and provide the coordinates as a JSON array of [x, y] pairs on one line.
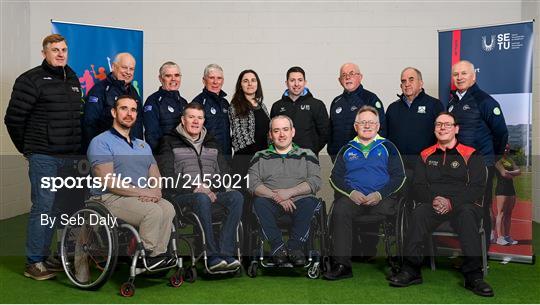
[[211, 67], [367, 108], [120, 55], [168, 64], [415, 70], [466, 62], [281, 116]]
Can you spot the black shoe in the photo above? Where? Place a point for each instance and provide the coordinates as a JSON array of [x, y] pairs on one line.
[[480, 287], [404, 279], [151, 262], [280, 257], [339, 272], [297, 257]]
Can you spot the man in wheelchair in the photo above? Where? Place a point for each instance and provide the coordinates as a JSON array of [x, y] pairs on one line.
[[114, 156], [191, 154], [284, 179], [366, 172], [449, 184]]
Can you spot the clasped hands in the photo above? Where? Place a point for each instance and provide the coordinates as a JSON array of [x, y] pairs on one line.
[[361, 199], [151, 195], [441, 205], [283, 198]]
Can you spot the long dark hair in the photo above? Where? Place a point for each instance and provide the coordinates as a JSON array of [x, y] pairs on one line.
[[239, 101]]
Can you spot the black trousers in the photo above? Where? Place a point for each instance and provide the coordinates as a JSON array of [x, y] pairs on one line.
[[488, 198], [464, 219], [344, 212]]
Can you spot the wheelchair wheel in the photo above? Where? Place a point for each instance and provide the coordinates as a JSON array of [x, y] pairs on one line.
[[89, 250], [314, 272], [252, 269], [127, 289], [191, 274], [177, 279]]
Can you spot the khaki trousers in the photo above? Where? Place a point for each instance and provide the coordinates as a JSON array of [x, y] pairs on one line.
[[154, 219]]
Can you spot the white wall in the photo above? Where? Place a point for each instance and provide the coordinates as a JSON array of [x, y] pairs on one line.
[[15, 58], [272, 36]]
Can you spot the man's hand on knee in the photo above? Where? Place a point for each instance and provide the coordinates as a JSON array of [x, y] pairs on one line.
[[288, 205]]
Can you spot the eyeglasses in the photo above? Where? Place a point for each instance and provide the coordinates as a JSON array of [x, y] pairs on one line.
[[364, 123], [350, 74], [445, 124]]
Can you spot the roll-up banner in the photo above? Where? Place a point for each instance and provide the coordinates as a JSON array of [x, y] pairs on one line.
[[502, 56], [92, 49]]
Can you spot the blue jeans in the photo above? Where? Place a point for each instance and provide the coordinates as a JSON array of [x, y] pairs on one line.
[[268, 212], [202, 206], [38, 236]]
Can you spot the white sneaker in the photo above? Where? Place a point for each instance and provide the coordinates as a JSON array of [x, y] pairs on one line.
[[510, 240], [502, 241]]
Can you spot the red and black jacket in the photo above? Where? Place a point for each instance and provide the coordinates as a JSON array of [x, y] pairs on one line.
[[457, 173]]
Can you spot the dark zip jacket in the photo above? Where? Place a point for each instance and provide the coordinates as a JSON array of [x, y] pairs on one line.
[[481, 123], [161, 113], [309, 117], [343, 112], [98, 103], [411, 128], [216, 117], [458, 173]]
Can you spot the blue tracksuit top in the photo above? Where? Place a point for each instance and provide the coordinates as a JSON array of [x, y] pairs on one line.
[[162, 112], [376, 167], [343, 111], [481, 123], [216, 117]]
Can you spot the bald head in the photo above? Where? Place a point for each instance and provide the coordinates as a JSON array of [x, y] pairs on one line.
[[350, 76], [123, 67], [463, 75]]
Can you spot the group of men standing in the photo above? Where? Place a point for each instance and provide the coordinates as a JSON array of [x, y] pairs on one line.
[[375, 155]]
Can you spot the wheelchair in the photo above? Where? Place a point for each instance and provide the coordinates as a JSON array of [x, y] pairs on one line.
[[196, 239], [91, 246], [390, 228], [315, 246]]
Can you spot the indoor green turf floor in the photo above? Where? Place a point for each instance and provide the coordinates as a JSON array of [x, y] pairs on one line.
[[513, 283]]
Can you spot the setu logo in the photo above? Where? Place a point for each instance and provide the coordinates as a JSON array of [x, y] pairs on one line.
[[488, 47]]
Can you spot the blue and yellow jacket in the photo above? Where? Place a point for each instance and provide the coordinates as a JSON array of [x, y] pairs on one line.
[[376, 167]]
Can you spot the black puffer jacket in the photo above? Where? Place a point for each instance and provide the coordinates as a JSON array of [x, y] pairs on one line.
[[44, 112]]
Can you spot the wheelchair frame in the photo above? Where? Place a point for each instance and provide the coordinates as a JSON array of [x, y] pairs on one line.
[[314, 263], [393, 232], [99, 245], [190, 218]]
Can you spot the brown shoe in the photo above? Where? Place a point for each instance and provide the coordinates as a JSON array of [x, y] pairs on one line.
[[38, 272], [53, 264]]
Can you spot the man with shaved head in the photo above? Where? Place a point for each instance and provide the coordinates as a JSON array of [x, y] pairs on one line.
[[100, 99], [344, 107], [482, 124]]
